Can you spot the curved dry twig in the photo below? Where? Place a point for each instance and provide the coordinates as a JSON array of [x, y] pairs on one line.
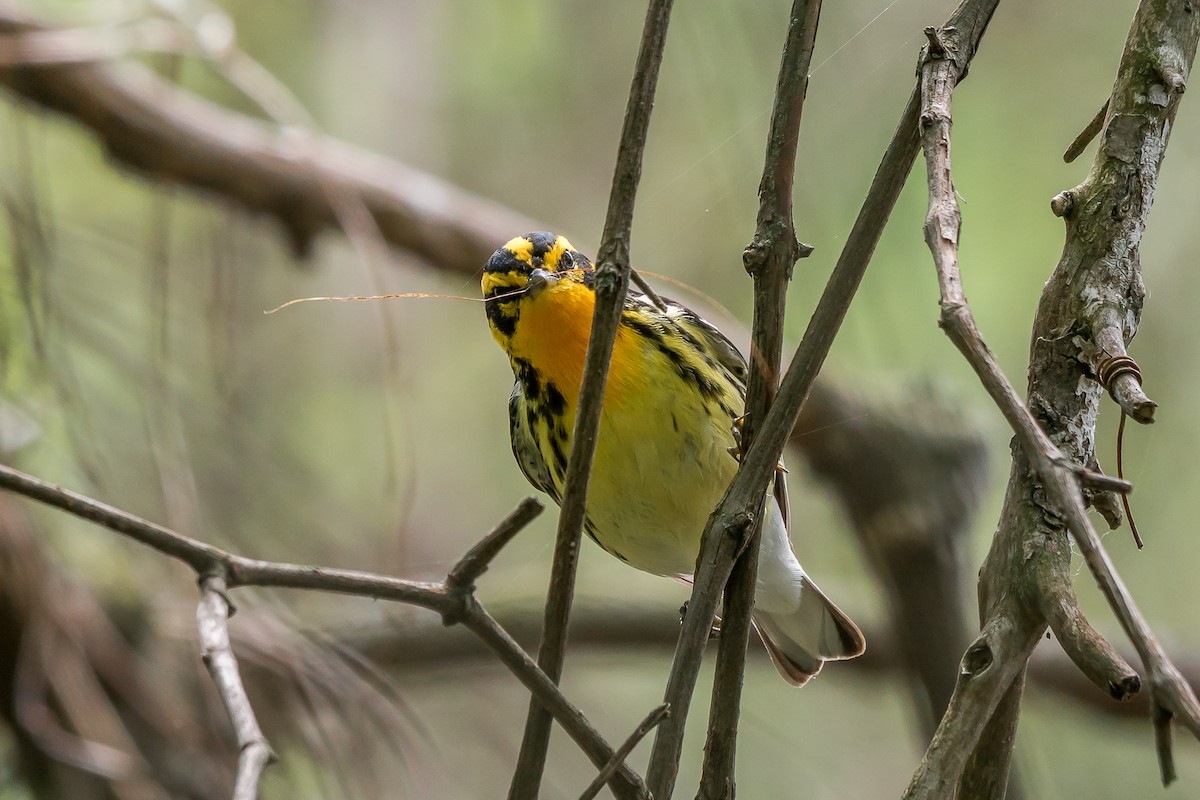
[[656, 715]]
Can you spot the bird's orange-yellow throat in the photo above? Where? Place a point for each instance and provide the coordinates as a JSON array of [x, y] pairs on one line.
[[664, 454]]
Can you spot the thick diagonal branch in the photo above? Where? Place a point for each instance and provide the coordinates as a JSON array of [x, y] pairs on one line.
[[724, 535]]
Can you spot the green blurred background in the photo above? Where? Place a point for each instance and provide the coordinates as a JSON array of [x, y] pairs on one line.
[[374, 435]]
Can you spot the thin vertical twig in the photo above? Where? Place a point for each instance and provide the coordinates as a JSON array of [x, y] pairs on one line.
[[723, 536], [612, 281], [769, 258]]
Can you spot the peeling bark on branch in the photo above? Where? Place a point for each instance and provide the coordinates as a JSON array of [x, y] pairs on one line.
[[1089, 310], [1091, 307]]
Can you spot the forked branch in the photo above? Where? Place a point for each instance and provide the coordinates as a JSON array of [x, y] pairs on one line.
[[454, 599], [725, 533]]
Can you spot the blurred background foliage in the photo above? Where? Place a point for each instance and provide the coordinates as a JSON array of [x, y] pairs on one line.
[[138, 366]]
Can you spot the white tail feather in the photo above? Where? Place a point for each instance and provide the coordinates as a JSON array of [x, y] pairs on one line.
[[801, 641], [800, 626]]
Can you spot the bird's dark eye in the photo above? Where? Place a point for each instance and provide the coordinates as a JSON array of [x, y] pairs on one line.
[[566, 260]]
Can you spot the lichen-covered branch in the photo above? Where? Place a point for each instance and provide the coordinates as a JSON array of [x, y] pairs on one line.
[[1091, 306], [1089, 310]]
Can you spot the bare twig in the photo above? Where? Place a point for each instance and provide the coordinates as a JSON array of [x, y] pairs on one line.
[[645, 726], [723, 536], [455, 603], [612, 281], [1025, 582], [1080, 142], [769, 258], [478, 558], [254, 753], [1088, 650], [196, 554]]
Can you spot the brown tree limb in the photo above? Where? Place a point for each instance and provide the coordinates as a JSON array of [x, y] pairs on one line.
[[1025, 582], [455, 603], [612, 282], [422, 645], [769, 258], [172, 136]]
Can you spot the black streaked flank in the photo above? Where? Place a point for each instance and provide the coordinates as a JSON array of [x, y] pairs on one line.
[[529, 378], [560, 457], [678, 357], [554, 402]]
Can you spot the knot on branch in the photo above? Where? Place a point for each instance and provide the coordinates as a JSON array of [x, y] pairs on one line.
[[1124, 689], [738, 528], [1063, 203], [609, 278], [461, 599], [1173, 77], [940, 44], [216, 578], [977, 659], [766, 248]]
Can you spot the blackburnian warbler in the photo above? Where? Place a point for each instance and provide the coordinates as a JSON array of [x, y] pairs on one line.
[[664, 457]]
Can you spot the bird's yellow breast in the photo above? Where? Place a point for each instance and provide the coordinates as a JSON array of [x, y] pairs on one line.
[[553, 335], [662, 456]]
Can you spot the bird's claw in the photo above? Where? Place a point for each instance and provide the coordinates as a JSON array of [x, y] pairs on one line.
[[713, 633]]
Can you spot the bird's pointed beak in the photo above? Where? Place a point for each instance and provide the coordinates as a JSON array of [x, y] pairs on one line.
[[539, 279]]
